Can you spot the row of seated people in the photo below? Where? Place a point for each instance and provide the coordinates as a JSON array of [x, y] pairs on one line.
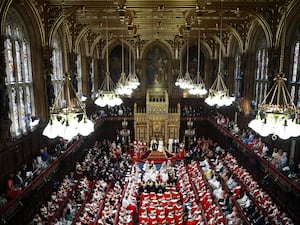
[[262, 209], [256, 144], [207, 148], [109, 214], [193, 211], [248, 205], [228, 124], [91, 209], [157, 182], [162, 176], [276, 157], [78, 198], [120, 110], [211, 208], [89, 205], [190, 111], [226, 191], [87, 214], [204, 147], [251, 209], [246, 136], [101, 163], [58, 199], [84, 193], [129, 206], [161, 208], [104, 162], [273, 214], [17, 182], [230, 181], [149, 209]]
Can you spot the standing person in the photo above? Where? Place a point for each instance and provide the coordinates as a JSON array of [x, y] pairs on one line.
[[18, 180]]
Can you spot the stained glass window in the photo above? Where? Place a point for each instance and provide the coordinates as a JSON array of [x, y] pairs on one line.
[[18, 75], [57, 77], [295, 76], [261, 75]]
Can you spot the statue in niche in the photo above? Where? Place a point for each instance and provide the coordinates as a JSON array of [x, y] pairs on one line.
[[157, 67]]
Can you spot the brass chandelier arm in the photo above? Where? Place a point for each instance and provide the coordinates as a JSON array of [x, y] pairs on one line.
[[55, 104], [280, 101]]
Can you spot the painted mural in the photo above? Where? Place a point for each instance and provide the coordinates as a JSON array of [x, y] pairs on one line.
[[157, 67]]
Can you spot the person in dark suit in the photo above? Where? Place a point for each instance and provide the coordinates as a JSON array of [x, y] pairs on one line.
[[18, 180]]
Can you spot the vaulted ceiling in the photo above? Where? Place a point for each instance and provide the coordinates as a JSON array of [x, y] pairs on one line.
[[166, 20]]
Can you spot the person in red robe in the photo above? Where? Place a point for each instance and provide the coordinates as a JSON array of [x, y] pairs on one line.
[[12, 190]]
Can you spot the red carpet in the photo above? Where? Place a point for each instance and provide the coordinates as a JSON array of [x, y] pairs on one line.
[[157, 156]]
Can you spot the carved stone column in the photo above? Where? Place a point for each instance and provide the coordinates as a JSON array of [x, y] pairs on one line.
[[48, 71], [5, 122], [90, 72], [73, 70]]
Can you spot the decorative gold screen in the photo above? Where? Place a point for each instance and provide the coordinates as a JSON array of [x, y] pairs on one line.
[[157, 120]]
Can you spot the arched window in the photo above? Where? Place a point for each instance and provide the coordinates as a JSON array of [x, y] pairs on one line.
[[237, 74], [261, 72], [18, 75], [295, 75], [57, 77]]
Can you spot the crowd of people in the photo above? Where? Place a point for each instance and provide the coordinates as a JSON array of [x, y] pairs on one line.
[[16, 182], [277, 157], [270, 212], [109, 188], [208, 187], [190, 111], [121, 110], [95, 183]]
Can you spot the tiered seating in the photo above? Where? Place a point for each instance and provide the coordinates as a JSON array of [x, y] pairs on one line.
[[80, 196], [211, 208], [129, 206], [161, 208], [111, 205], [58, 201], [230, 194], [189, 199], [20, 182], [270, 210], [161, 205], [89, 209]]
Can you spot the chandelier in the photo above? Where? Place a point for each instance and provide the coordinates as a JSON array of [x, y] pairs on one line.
[[70, 119], [107, 95], [218, 94], [132, 79], [199, 86], [122, 87], [277, 114], [185, 82]]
